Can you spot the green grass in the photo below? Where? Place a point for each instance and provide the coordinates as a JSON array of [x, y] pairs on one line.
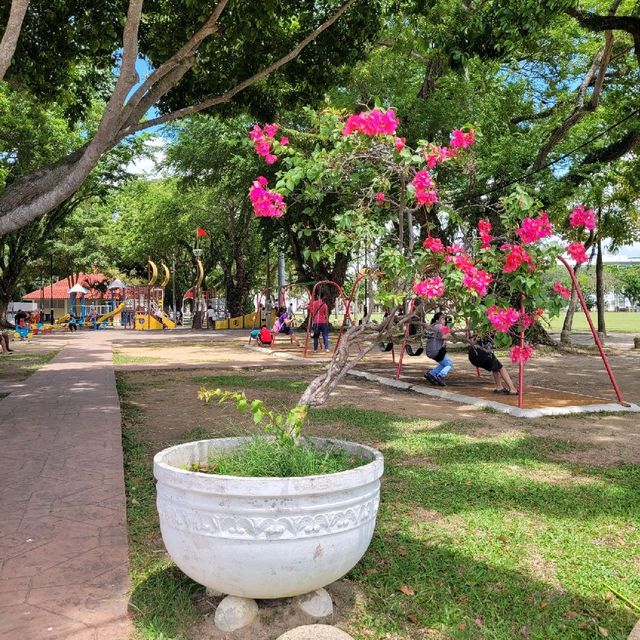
[[615, 322], [121, 358], [265, 381], [478, 538], [20, 365], [162, 597], [265, 458]]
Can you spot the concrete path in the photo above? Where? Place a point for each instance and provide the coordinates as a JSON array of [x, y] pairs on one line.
[[63, 537]]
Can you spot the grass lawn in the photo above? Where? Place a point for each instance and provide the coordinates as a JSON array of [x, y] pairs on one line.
[[616, 322], [20, 365], [487, 538]]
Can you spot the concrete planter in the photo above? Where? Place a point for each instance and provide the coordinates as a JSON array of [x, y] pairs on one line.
[[265, 537]]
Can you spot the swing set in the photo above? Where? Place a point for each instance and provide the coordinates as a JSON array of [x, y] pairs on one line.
[[521, 366]]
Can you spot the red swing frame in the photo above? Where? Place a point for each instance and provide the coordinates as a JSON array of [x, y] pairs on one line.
[[521, 365]]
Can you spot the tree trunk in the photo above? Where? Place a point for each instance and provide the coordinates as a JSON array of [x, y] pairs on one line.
[[602, 329], [565, 334]]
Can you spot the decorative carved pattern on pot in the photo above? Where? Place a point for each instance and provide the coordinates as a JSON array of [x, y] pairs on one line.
[[225, 526]]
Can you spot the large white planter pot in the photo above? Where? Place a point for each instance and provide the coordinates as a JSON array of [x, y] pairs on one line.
[[265, 537]]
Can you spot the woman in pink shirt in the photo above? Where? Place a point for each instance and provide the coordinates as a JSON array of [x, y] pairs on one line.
[[319, 315]]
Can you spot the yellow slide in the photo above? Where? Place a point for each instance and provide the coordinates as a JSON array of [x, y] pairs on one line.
[[106, 316], [166, 320]]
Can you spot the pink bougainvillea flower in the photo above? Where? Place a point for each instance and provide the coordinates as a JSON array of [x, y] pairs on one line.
[[484, 229], [445, 330], [577, 251], [380, 198], [270, 158], [270, 130], [502, 319], [284, 141], [262, 147], [400, 143], [515, 256], [429, 288], [520, 354], [559, 288], [533, 229], [256, 132], [581, 217], [371, 123], [433, 244], [477, 280], [266, 204], [462, 139], [529, 319], [425, 188]]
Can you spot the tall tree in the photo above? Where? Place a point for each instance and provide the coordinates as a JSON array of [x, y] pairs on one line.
[[243, 41]]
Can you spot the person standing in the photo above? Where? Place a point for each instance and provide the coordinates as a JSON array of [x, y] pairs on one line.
[[211, 322], [436, 350], [319, 318]]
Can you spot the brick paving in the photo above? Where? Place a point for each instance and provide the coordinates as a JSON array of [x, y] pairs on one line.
[[63, 537]]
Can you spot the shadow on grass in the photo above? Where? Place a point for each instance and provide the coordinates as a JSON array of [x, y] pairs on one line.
[[464, 598]]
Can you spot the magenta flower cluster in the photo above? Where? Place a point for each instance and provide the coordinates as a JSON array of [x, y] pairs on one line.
[[577, 251], [263, 139], [372, 123], [515, 256], [433, 244], [533, 229], [484, 229], [502, 319], [429, 288], [559, 288], [462, 139], [425, 188], [520, 354], [581, 217], [266, 204]]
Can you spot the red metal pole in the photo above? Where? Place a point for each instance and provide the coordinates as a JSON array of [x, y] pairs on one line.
[[306, 340], [521, 369], [594, 332], [347, 313]]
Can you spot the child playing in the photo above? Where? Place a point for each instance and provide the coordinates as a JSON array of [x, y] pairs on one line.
[[481, 356]]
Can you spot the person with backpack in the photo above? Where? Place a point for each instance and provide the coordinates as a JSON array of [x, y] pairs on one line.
[[436, 349]]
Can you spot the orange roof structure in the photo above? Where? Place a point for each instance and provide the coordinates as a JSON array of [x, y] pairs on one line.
[[60, 290]]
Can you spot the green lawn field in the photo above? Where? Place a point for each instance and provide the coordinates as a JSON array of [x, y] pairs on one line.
[[616, 322]]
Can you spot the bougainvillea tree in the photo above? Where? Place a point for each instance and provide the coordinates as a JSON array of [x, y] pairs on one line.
[[490, 280]]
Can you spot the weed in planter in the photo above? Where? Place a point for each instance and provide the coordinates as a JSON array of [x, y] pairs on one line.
[[280, 453], [265, 457]]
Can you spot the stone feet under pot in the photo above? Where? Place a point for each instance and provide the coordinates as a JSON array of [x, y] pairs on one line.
[[234, 613]]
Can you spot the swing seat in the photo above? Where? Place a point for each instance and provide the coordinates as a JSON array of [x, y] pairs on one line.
[[411, 352], [385, 347]]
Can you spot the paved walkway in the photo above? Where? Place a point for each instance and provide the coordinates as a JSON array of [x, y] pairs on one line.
[[63, 537]]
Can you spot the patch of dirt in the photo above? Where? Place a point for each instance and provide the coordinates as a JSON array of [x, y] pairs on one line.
[[557, 476], [543, 570], [276, 617]]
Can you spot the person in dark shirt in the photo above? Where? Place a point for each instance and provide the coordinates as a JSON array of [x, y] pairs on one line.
[[481, 356]]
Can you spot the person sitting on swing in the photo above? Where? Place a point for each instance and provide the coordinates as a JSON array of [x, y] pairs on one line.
[[436, 349], [284, 324], [481, 356]]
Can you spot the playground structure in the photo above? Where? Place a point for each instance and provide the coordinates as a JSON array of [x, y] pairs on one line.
[[150, 314]]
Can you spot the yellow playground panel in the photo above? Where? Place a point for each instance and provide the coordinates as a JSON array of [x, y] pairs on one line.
[[146, 322], [247, 321]]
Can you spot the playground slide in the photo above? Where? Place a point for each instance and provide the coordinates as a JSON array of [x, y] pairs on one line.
[[106, 316], [166, 320]]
